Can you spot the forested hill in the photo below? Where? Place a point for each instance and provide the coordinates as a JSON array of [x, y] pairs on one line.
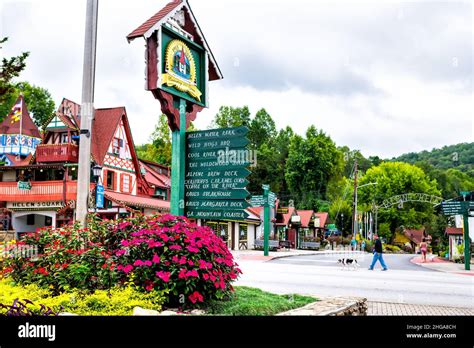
[[459, 156]]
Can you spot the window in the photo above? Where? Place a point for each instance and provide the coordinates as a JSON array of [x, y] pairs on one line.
[[243, 232], [48, 221], [160, 193], [30, 219], [126, 183], [64, 139], [116, 145], [110, 180]]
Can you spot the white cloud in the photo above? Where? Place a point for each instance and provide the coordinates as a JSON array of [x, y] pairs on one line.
[[385, 78]]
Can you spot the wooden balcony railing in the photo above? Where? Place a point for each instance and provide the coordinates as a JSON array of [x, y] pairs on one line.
[[57, 153], [41, 191]]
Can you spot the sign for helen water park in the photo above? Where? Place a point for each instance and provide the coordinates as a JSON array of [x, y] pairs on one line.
[[215, 180]]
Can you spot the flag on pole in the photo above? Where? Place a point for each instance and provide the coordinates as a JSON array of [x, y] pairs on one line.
[[17, 111]]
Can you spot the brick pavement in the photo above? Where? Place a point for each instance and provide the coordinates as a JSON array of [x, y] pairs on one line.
[[387, 308]]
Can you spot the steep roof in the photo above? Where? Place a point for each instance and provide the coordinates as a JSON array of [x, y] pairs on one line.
[[323, 218], [454, 231], [191, 26], [415, 236], [255, 210], [305, 217], [286, 217], [104, 126], [19, 121], [155, 178], [18, 161]]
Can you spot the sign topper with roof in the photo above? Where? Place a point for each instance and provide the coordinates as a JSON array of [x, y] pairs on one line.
[[179, 62], [179, 65]]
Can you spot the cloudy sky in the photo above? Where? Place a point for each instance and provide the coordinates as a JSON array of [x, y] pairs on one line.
[[383, 77]]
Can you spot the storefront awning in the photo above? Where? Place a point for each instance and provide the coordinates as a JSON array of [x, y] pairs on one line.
[[137, 201]]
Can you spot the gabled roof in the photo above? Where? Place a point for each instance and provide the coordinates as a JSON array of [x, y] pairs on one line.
[[454, 231], [18, 161], [286, 217], [255, 210], [154, 23], [104, 126], [19, 121], [155, 178], [305, 217], [415, 236], [323, 218]]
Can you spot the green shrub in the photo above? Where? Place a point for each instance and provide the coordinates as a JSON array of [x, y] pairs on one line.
[[116, 301], [391, 248]]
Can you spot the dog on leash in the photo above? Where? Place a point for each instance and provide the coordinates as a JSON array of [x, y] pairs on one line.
[[348, 263]]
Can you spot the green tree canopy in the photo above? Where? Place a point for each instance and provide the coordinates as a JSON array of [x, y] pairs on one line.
[[159, 150], [311, 162], [395, 178], [262, 129], [229, 116]]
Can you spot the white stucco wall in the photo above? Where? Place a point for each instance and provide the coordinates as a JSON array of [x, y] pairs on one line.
[[19, 220]]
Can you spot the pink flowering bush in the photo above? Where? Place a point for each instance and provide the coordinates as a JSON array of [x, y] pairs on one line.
[[170, 253]]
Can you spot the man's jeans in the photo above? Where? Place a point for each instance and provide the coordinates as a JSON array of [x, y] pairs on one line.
[[379, 257]]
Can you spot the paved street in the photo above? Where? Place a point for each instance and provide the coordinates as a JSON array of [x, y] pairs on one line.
[[385, 308], [320, 275]]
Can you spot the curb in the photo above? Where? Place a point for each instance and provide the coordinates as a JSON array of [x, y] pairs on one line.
[[314, 253], [440, 270]]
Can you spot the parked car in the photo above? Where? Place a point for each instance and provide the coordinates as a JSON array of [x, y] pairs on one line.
[[334, 233]]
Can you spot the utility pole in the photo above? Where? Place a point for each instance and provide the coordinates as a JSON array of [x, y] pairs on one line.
[[354, 220], [87, 111]]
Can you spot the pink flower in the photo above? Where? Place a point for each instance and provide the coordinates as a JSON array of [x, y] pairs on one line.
[[120, 252], [175, 259], [175, 247], [147, 263], [182, 274], [165, 276], [191, 263], [183, 260], [192, 273], [192, 249], [156, 259], [205, 276], [125, 243], [196, 297], [138, 263], [128, 268]]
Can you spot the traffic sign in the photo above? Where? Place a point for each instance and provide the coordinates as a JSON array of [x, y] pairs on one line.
[[217, 204], [217, 194], [211, 144], [217, 214], [215, 183], [226, 133], [217, 173]]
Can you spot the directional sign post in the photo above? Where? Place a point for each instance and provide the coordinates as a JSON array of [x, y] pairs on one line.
[[461, 208], [215, 181]]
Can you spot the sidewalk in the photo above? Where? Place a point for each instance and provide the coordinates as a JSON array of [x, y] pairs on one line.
[[257, 255], [438, 264]]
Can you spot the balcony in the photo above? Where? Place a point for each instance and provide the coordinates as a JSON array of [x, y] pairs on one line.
[[46, 153], [41, 191]]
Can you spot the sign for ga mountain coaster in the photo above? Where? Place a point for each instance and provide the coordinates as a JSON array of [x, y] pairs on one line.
[[215, 180]]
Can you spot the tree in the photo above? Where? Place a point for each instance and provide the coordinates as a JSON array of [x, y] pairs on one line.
[[395, 178], [312, 161], [10, 68], [229, 116], [39, 102], [159, 150], [262, 129]]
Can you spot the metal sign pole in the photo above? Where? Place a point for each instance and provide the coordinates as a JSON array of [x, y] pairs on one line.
[[266, 219], [467, 244], [87, 112], [178, 163]]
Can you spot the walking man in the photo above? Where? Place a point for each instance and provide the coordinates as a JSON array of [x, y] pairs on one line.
[[378, 254]]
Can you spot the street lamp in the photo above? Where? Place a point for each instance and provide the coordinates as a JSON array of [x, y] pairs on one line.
[[96, 172]]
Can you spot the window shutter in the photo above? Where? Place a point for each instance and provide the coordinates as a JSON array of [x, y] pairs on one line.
[[115, 180], [104, 178], [121, 182]]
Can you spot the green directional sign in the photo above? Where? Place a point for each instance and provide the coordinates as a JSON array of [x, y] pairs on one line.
[[202, 145], [217, 173], [218, 214], [456, 207], [217, 194], [222, 133], [215, 183], [234, 154], [259, 200], [219, 165], [216, 204]]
